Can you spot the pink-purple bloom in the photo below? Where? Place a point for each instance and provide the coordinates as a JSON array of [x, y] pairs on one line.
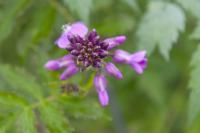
[[87, 50]]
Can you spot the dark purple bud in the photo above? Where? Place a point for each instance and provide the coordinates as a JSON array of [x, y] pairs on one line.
[[71, 38], [90, 44], [86, 63], [97, 64], [79, 39], [94, 54], [78, 45], [92, 35], [89, 50], [96, 48], [80, 58], [75, 52], [69, 47], [103, 53], [104, 45], [82, 51]]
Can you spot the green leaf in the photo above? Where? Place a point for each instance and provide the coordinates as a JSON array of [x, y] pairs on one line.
[[82, 108], [53, 119], [7, 19], [7, 122], [80, 7], [160, 27], [20, 81], [10, 99], [192, 6], [26, 122], [38, 27], [132, 3], [194, 85], [196, 32], [115, 24]]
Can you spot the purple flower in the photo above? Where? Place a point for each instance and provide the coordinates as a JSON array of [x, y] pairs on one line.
[[137, 61], [100, 84], [88, 50], [59, 63], [113, 70], [77, 28]]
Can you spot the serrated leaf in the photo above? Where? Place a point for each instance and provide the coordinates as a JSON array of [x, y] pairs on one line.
[[7, 122], [194, 85], [160, 27], [53, 119], [10, 99], [26, 122], [20, 80], [192, 6], [80, 7], [196, 32], [82, 108], [38, 27], [8, 17]]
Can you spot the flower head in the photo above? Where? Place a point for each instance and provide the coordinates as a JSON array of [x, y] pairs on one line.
[[88, 50]]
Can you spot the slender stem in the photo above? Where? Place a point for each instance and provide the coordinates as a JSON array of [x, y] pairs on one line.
[[118, 121]]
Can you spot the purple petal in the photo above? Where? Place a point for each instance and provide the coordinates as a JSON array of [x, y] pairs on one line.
[[137, 67], [138, 56], [115, 41], [100, 82], [77, 28], [103, 98], [63, 41], [70, 71], [113, 70], [59, 63], [138, 61], [121, 56], [143, 63], [52, 65]]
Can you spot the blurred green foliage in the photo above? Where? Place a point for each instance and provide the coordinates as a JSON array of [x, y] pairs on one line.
[[165, 99]]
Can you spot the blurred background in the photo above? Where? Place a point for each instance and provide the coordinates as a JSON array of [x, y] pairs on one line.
[[165, 99]]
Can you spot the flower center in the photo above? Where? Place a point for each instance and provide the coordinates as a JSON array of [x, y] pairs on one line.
[[88, 51]]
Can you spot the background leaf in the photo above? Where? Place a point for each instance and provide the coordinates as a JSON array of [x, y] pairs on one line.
[[164, 21], [13, 8], [80, 7], [194, 105]]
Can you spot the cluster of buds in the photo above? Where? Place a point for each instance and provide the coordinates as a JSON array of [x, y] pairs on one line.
[[87, 50]]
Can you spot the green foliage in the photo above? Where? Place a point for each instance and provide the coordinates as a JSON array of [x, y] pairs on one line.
[[164, 21], [25, 122], [33, 100], [80, 7], [39, 27], [9, 14], [192, 6], [194, 105], [131, 3], [53, 119], [26, 114], [21, 81], [196, 33]]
